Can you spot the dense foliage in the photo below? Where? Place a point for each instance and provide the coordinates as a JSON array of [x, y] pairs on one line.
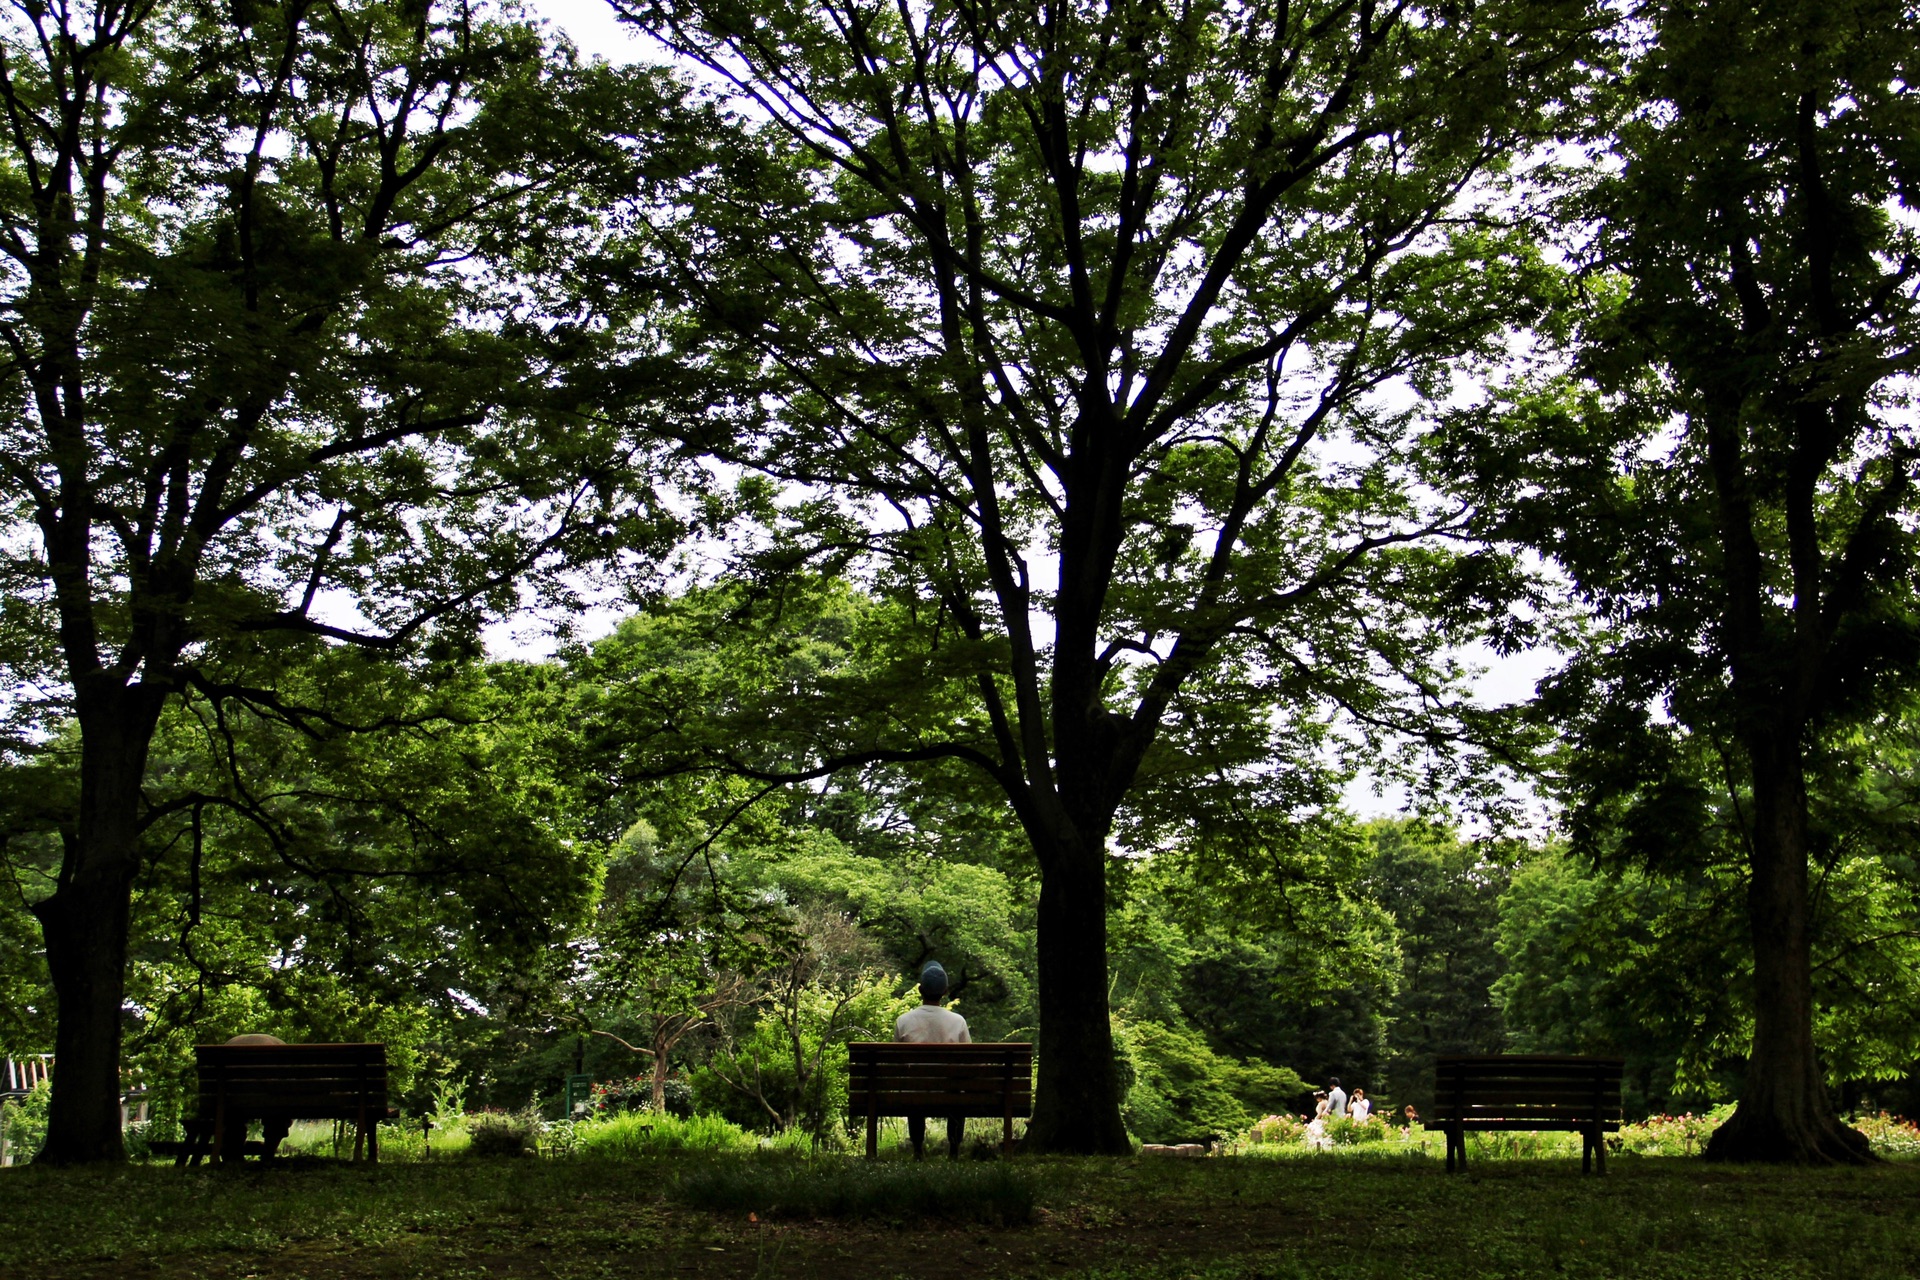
[[1039, 459]]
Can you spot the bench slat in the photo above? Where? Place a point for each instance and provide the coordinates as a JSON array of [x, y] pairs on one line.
[[963, 1054], [292, 1053], [972, 1103], [937, 1068], [1529, 1060], [1561, 1077], [1527, 1125], [1578, 1114], [1519, 1096]]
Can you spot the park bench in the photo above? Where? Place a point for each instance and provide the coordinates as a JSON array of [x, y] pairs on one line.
[[1529, 1092], [939, 1081], [281, 1083]]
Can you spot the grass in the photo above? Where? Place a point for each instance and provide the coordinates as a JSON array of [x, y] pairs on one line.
[[998, 1194], [1349, 1217], [635, 1135]]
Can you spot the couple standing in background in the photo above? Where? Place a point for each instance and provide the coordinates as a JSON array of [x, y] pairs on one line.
[[1332, 1102]]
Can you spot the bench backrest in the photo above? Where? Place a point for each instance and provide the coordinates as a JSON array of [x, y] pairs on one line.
[[890, 1079], [1521, 1087], [309, 1081], [21, 1075]]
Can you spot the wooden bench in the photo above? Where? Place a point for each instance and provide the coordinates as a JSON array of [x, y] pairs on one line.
[[941, 1081], [280, 1083], [1530, 1092]]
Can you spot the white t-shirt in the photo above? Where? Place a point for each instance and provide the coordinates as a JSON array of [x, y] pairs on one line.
[[1362, 1109], [930, 1024]]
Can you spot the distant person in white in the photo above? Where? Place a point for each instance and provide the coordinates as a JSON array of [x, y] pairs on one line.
[[1336, 1098], [1361, 1107], [930, 1024]]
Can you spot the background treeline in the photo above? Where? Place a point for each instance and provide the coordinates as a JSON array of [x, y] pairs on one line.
[[513, 873]]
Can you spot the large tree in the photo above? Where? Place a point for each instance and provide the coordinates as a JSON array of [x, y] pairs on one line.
[[1731, 482], [1071, 321], [271, 303]]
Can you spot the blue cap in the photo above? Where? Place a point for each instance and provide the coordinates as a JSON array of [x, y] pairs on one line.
[[933, 979]]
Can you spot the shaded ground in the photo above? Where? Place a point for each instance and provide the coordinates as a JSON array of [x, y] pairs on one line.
[[1093, 1220]]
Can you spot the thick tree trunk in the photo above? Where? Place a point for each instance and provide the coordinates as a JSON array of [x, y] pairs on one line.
[[1076, 1108], [1785, 1115], [85, 924]]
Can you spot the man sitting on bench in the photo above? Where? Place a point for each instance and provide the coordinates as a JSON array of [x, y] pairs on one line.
[[930, 1024]]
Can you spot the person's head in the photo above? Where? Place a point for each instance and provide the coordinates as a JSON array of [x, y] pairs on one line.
[[1358, 1093], [933, 982], [1333, 1083]]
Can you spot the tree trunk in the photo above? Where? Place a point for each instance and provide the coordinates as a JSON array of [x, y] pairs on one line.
[[85, 924], [1784, 1114], [1077, 1095], [660, 1046]]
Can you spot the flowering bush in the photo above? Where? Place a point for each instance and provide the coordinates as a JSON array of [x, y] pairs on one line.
[[1681, 1135], [1890, 1135], [1277, 1131], [1669, 1135], [1344, 1131]]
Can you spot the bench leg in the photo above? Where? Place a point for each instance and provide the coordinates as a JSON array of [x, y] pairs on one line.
[[873, 1133], [199, 1135], [1456, 1150], [373, 1140], [1006, 1136]]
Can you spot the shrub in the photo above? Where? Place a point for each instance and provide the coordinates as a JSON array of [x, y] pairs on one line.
[[26, 1121], [1182, 1091], [1890, 1135], [1275, 1131], [1344, 1131], [634, 1134], [1681, 1135], [495, 1133], [779, 1188]]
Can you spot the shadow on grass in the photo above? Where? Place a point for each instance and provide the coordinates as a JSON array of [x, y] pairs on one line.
[[993, 1194]]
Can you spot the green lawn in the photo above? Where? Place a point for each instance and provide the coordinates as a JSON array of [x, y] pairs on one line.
[[1344, 1216]]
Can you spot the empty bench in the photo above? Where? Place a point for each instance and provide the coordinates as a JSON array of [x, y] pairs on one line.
[[280, 1083], [1527, 1092], [993, 1081]]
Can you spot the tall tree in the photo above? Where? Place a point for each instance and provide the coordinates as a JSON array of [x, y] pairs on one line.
[[1732, 486], [1072, 318], [272, 306]]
